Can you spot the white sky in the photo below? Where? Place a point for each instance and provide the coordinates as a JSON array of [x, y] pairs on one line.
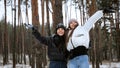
[[2, 11], [68, 8], [69, 12]]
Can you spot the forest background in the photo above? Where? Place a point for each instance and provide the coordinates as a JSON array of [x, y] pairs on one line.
[[17, 45]]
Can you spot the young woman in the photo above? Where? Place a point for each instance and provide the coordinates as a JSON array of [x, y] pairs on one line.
[[56, 46], [77, 41]]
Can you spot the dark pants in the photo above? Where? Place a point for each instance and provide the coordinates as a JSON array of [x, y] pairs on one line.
[[57, 64]]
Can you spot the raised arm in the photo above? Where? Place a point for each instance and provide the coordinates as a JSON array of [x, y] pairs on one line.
[[93, 19], [42, 39]]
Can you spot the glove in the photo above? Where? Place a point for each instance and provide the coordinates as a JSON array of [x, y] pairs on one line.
[[31, 27], [28, 26], [108, 10]]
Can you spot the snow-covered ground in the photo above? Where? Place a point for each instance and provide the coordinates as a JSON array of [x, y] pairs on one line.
[[109, 65], [106, 65], [17, 66]]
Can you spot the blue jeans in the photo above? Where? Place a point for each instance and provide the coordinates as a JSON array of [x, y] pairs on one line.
[[57, 64], [79, 62]]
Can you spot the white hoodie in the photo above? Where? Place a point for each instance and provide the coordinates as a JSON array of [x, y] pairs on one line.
[[80, 36]]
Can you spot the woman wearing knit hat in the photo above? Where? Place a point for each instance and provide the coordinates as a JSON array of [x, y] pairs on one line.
[[56, 46], [77, 41]]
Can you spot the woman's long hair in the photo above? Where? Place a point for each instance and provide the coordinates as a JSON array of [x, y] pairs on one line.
[[69, 28]]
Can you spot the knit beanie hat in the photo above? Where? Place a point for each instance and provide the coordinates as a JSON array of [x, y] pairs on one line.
[[60, 25]]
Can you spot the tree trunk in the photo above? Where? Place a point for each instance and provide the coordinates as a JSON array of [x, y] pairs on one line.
[[57, 13], [97, 45], [5, 52], [91, 11], [35, 22], [43, 33], [48, 22], [14, 45], [1, 38], [118, 30], [35, 16]]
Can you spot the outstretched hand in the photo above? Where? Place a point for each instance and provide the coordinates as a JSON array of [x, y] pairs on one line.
[[107, 10], [28, 26], [31, 27]]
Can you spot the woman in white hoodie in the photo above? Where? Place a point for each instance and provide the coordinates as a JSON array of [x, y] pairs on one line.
[[77, 41]]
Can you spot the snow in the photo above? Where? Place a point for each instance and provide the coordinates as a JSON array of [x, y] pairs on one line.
[[17, 66], [105, 65], [109, 65]]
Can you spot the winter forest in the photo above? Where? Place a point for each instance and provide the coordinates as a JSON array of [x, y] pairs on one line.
[[20, 49]]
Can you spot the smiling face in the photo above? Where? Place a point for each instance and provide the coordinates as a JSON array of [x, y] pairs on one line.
[[60, 31], [73, 24]]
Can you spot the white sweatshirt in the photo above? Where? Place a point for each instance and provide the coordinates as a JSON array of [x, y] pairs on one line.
[[80, 36]]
